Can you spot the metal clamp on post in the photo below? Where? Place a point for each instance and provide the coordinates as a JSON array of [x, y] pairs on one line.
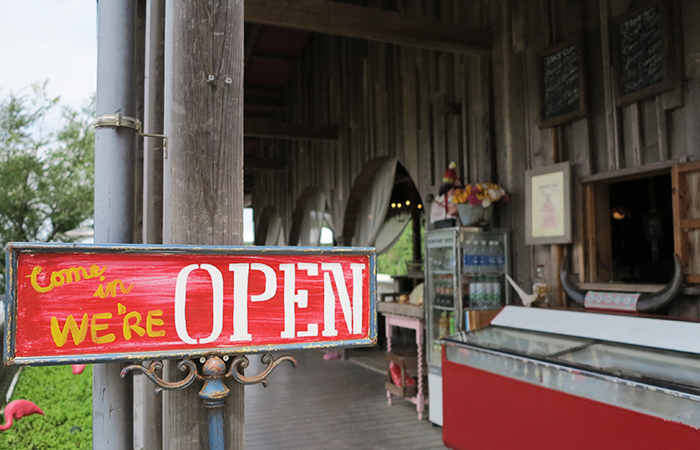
[[117, 120], [120, 121]]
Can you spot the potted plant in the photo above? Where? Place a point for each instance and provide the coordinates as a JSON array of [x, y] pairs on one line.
[[475, 202]]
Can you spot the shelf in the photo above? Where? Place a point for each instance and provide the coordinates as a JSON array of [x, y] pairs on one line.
[[400, 309], [403, 392], [443, 272], [498, 274], [491, 308], [407, 362], [444, 308]]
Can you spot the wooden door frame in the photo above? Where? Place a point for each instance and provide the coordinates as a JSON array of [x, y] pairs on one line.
[[681, 223]]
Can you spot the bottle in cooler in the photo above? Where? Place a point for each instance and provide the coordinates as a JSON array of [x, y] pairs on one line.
[[488, 293], [496, 294], [474, 256], [468, 258], [479, 257], [479, 293], [500, 257], [491, 257], [472, 294], [443, 325]]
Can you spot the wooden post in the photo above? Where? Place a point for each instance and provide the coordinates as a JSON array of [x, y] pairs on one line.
[[203, 172], [557, 292], [139, 78], [417, 241], [153, 123], [150, 427]]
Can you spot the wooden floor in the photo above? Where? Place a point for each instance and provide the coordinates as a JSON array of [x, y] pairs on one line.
[[330, 405]]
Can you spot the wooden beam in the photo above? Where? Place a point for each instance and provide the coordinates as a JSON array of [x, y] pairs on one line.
[[692, 166], [152, 409], [250, 164], [690, 223], [631, 173], [253, 127], [263, 101], [341, 19], [273, 56], [250, 42], [248, 180], [263, 89]]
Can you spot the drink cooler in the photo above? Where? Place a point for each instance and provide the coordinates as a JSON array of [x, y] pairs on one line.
[[457, 259]]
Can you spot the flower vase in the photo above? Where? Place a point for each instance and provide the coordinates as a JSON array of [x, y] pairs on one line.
[[475, 215]]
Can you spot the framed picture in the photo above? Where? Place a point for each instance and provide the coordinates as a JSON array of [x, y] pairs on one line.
[[548, 205], [646, 51], [562, 87]]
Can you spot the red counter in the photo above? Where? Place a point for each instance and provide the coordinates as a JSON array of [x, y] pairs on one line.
[[486, 411]]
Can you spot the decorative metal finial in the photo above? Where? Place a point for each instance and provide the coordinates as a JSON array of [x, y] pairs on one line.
[[240, 363], [214, 368], [150, 372], [214, 392]]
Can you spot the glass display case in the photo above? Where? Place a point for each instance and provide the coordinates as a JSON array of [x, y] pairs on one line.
[[631, 382], [464, 276]]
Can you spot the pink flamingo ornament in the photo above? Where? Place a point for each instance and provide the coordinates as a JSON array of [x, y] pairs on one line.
[[19, 408]]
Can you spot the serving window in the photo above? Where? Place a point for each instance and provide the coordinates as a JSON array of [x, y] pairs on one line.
[[629, 228], [641, 230]]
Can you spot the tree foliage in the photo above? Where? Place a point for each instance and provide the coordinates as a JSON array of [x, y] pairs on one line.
[[46, 179], [393, 262]]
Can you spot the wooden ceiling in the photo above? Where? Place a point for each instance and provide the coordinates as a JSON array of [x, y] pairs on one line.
[[276, 31]]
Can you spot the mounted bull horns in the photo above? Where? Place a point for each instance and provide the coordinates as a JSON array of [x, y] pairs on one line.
[[657, 300], [647, 302], [574, 293]]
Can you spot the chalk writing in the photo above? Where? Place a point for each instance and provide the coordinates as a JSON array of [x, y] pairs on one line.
[[560, 82], [641, 50]]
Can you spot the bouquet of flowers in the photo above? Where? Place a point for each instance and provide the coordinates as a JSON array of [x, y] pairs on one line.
[[483, 194]]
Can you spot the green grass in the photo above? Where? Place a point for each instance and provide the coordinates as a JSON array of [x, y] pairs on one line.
[[66, 400]]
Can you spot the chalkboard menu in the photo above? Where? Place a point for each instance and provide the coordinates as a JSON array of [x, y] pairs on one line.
[[644, 54], [561, 80]]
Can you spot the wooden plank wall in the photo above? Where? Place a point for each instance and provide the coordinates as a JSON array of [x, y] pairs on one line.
[[428, 108], [425, 107], [659, 128]]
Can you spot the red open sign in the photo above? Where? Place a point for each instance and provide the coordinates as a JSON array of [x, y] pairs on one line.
[[89, 303]]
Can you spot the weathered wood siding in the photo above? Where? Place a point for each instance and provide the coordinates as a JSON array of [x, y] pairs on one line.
[[428, 108], [424, 107]]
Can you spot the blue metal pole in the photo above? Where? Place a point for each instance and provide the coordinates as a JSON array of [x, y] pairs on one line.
[[213, 395], [114, 196], [216, 428]]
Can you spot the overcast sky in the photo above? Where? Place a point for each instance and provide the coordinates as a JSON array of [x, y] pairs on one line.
[[53, 40]]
